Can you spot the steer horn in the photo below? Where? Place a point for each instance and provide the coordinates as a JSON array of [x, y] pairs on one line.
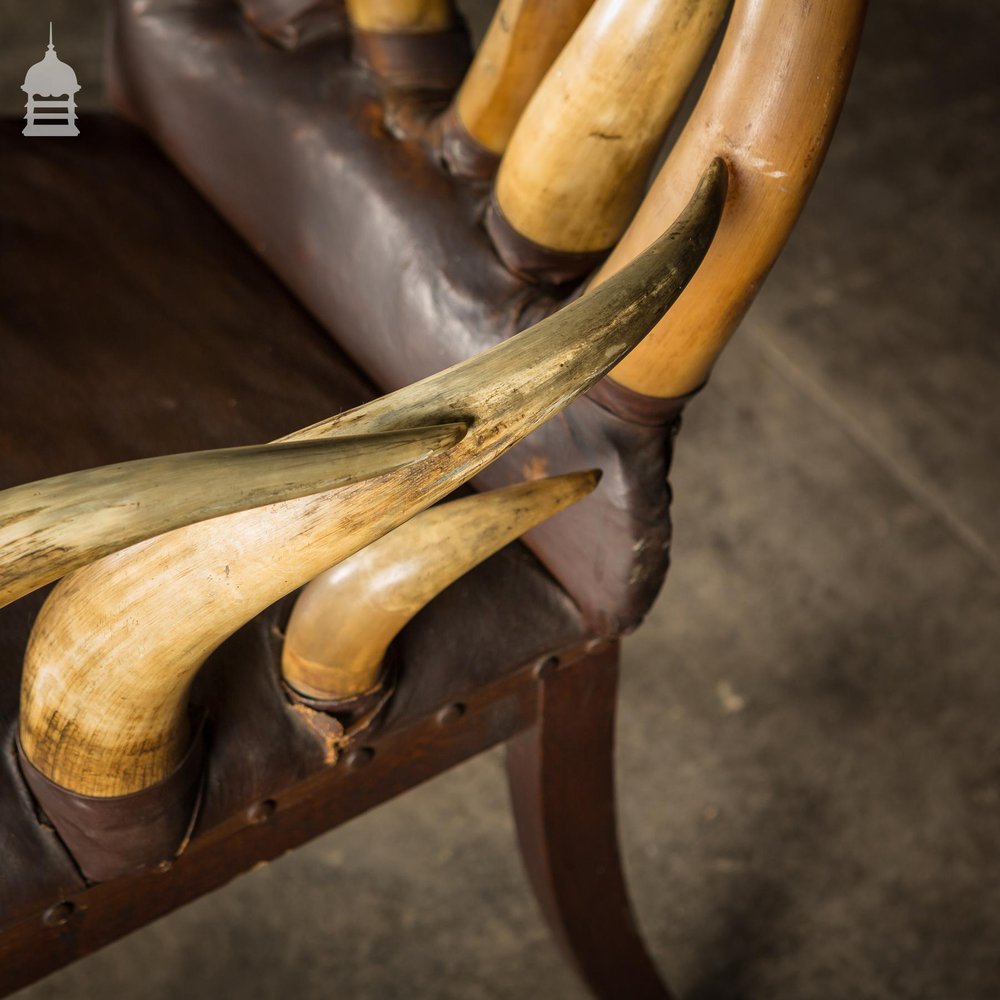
[[117, 644], [589, 134], [769, 107], [343, 622], [53, 526]]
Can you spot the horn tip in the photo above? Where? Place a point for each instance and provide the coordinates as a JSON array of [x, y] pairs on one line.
[[577, 484], [714, 184], [455, 431]]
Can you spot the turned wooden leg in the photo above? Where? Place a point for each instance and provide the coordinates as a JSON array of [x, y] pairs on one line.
[[561, 775]]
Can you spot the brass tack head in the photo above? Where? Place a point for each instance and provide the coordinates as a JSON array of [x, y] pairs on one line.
[[59, 914], [261, 812], [163, 867], [359, 757], [451, 713]]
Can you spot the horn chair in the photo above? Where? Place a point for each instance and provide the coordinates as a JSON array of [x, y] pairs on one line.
[[447, 269]]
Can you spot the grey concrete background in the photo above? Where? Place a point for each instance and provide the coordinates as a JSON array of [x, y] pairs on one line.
[[809, 754]]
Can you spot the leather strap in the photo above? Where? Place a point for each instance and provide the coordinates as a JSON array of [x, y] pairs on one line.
[[463, 155], [637, 407], [530, 260], [109, 837]]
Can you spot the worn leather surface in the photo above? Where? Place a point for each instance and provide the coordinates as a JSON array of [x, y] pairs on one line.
[[389, 252], [463, 155], [290, 23], [133, 322]]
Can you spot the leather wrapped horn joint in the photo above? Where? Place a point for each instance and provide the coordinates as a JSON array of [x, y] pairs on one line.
[[355, 713], [113, 836], [463, 155], [637, 407], [532, 261], [415, 61]]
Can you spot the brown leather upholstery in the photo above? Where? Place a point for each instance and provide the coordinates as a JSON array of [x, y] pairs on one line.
[[389, 252], [134, 323], [290, 23]]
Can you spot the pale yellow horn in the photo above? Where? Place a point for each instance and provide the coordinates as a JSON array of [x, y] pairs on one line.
[[344, 620], [400, 15], [576, 165], [117, 644], [523, 39], [53, 526]]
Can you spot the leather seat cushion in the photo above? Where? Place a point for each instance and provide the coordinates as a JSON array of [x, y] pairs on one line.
[[133, 323]]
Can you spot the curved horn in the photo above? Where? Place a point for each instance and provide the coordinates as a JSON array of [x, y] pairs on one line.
[[113, 651], [769, 107], [589, 134], [344, 620], [53, 526], [523, 39]]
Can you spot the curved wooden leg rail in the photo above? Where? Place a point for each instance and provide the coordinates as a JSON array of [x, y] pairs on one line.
[[566, 828]]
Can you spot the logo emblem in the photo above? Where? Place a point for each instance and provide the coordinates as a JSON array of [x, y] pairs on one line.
[[50, 78]]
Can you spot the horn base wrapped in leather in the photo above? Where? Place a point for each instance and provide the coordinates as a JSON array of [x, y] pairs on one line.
[[530, 260], [434, 60], [346, 619], [111, 837]]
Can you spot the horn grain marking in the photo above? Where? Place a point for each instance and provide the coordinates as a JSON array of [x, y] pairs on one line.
[[53, 526]]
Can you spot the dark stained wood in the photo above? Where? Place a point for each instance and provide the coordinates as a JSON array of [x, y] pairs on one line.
[[561, 773]]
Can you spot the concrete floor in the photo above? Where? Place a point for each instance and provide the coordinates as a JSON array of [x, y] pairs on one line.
[[809, 755]]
